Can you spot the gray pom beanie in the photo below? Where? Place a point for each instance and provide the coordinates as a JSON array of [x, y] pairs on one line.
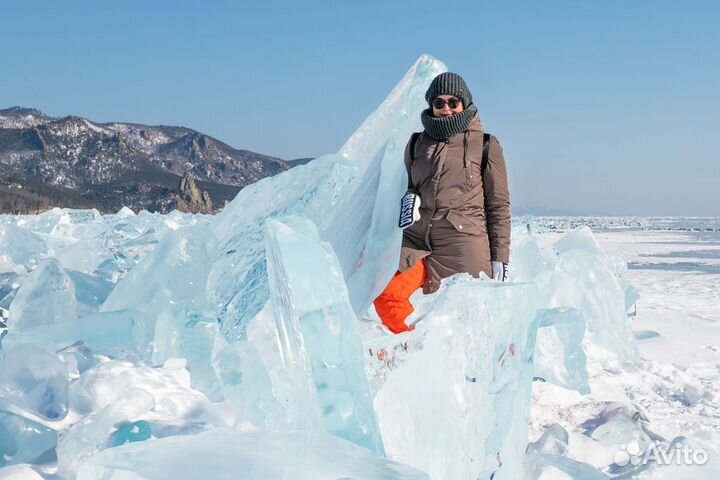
[[449, 84]]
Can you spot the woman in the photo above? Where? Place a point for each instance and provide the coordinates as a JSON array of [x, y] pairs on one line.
[[458, 179]]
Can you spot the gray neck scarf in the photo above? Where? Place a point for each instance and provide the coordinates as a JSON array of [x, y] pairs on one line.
[[443, 128]]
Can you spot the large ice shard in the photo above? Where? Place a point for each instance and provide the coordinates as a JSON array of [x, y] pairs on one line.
[[462, 386], [45, 297], [188, 334], [318, 332], [238, 284], [531, 261], [223, 454], [20, 249], [261, 363], [352, 197], [112, 333], [23, 440], [84, 255], [173, 276], [575, 273], [36, 379], [78, 224], [90, 292], [560, 357], [587, 280], [364, 230], [247, 388]]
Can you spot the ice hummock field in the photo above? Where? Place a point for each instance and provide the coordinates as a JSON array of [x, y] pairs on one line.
[[673, 389], [244, 346]]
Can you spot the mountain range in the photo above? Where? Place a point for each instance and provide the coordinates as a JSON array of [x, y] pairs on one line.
[[73, 162]]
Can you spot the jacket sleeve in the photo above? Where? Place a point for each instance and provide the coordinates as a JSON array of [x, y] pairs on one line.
[[497, 203], [408, 161]]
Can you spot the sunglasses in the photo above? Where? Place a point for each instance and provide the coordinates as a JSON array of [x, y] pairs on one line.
[[453, 103]]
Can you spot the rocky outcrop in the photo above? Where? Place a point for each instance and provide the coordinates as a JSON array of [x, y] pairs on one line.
[[191, 199]]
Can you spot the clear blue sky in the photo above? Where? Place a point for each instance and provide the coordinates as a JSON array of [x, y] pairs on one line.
[[608, 106]]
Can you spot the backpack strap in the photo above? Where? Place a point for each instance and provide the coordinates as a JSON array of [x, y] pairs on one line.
[[413, 141], [486, 152], [409, 162]]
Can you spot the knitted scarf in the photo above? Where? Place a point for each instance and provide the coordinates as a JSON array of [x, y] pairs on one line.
[[443, 128]]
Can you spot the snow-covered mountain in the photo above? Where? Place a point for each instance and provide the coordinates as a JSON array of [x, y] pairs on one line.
[[72, 161]]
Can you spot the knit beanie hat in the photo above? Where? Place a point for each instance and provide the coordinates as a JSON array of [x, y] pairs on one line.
[[449, 84]]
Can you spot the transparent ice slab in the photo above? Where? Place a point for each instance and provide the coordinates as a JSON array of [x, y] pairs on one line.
[[463, 385], [20, 249], [185, 333], [317, 330], [46, 296], [173, 276], [247, 388], [23, 440], [559, 355], [111, 333], [34, 377]]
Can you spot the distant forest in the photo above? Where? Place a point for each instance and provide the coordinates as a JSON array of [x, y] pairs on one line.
[[28, 198]]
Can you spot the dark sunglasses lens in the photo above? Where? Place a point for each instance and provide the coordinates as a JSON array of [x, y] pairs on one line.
[[439, 103]]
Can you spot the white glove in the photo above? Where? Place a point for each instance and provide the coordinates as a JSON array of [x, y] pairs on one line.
[[409, 210], [499, 271]]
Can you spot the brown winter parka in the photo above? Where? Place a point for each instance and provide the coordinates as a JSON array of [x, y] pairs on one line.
[[464, 213]]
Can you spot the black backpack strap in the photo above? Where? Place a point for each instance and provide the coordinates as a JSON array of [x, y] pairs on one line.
[[409, 162], [413, 141], [486, 152]]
